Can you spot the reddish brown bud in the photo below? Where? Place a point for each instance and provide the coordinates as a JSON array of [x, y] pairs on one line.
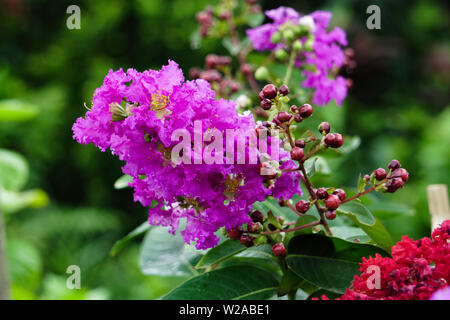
[[332, 202], [340, 193], [297, 154], [269, 91], [302, 206], [379, 174], [330, 214], [305, 110], [279, 250]]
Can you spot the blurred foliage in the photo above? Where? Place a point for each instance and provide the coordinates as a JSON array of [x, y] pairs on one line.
[[399, 107]]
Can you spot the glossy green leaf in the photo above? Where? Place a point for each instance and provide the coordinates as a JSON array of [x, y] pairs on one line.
[[13, 170], [221, 252], [164, 254], [327, 262], [120, 244], [122, 182], [15, 110], [255, 19], [357, 211], [12, 201], [372, 226], [230, 283], [332, 274]]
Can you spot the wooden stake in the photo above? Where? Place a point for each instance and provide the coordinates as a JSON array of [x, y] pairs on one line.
[[438, 204]]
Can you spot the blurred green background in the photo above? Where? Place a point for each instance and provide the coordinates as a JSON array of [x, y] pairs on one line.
[[399, 106]]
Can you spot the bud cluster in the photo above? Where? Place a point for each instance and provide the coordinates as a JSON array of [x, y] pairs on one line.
[[216, 69]]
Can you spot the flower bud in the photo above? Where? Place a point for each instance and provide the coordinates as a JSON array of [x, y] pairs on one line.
[[340, 193], [281, 54], [254, 227], [394, 164], [257, 216], [324, 128], [266, 104], [261, 73], [279, 250], [283, 116], [300, 143], [235, 233], [394, 184], [246, 240], [330, 214], [322, 193], [297, 45], [379, 174], [332, 202], [334, 140], [302, 206], [276, 37], [284, 90], [246, 69], [305, 110], [297, 154], [269, 91], [401, 173]]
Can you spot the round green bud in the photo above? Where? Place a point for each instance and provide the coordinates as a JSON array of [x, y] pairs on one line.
[[309, 44], [261, 73], [288, 35], [283, 99], [276, 37], [281, 54], [297, 45]]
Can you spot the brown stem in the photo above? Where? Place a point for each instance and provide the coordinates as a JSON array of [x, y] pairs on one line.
[[359, 194], [310, 188], [309, 225], [293, 209], [312, 152]]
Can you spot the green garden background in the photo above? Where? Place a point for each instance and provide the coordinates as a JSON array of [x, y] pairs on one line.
[[399, 107]]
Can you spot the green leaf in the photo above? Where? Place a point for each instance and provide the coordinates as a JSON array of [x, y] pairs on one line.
[[384, 209], [273, 220], [357, 211], [289, 282], [12, 201], [349, 233], [123, 182], [327, 262], [13, 170], [364, 219], [332, 274], [260, 256], [272, 204], [164, 254], [120, 244], [255, 19], [231, 283], [15, 110], [219, 253]]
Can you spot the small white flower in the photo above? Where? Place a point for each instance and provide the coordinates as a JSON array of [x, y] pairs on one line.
[[243, 101], [308, 22]]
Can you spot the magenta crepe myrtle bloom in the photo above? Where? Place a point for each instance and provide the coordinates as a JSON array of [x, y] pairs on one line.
[[135, 114], [326, 55]]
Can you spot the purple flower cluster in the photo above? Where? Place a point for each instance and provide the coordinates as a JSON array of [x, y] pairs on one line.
[[134, 115], [326, 57]]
